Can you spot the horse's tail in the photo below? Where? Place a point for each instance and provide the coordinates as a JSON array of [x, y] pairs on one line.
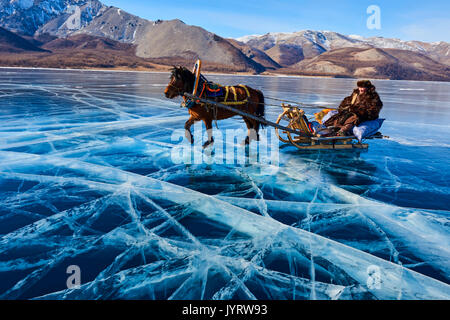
[[261, 108]]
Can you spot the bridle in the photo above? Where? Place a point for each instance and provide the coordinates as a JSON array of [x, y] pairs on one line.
[[186, 84], [178, 90]]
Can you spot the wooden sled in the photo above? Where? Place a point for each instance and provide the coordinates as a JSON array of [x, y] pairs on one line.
[[293, 118]]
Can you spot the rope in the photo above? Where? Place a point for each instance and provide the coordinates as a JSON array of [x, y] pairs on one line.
[[304, 105], [245, 114], [235, 102]]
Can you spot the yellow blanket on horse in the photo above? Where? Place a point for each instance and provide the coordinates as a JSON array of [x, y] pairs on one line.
[[228, 95]]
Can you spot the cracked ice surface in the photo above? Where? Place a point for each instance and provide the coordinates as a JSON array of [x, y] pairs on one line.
[[86, 178]]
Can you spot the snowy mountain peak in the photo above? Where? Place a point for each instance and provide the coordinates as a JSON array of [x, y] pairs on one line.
[[329, 40], [27, 16], [246, 39]]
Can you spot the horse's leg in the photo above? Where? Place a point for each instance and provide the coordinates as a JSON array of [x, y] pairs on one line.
[[252, 131], [256, 127], [187, 127], [208, 125]]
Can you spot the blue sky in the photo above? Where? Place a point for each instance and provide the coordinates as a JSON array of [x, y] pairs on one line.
[[408, 20]]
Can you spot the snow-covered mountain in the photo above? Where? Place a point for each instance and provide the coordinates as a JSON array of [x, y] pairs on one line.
[[116, 24], [314, 43], [62, 18], [74, 18], [290, 48], [98, 20], [174, 42], [326, 40], [27, 16], [167, 40]]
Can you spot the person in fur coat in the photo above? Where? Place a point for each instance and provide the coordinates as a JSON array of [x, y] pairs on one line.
[[363, 105]]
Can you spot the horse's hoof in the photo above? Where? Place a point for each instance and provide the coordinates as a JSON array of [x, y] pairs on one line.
[[208, 143]]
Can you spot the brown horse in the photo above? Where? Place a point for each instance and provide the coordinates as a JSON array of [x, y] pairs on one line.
[[182, 80]]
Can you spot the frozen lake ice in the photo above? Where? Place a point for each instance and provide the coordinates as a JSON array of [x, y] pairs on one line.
[[88, 179]]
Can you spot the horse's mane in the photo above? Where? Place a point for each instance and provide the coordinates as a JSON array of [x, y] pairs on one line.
[[186, 76]]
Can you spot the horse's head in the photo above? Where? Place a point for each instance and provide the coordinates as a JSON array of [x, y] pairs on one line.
[[181, 81]]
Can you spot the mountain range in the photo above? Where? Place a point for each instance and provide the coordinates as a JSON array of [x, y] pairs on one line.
[[88, 34]]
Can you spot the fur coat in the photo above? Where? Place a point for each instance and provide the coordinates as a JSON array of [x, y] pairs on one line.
[[357, 108]]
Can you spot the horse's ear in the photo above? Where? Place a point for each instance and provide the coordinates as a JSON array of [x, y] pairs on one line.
[[173, 71]]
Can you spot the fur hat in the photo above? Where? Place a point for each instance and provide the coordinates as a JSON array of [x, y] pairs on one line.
[[364, 84]]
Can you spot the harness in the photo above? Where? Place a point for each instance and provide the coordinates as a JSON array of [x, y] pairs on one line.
[[210, 90], [228, 93], [233, 89], [196, 72]]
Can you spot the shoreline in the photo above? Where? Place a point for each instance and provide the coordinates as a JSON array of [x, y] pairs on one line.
[[243, 74]]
